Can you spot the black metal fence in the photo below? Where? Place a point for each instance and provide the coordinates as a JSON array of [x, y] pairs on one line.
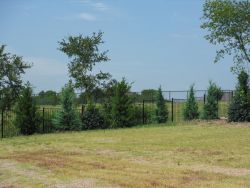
[[144, 114]]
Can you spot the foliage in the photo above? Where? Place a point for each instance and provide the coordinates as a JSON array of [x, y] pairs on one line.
[[122, 107], [161, 110], [67, 118], [12, 67], [109, 92], [228, 23], [239, 109], [191, 108], [93, 119], [149, 94], [214, 94], [149, 114], [47, 98], [85, 54], [27, 118]]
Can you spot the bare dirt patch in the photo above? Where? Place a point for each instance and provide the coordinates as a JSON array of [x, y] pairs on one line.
[[198, 152], [84, 183], [191, 176], [222, 170], [34, 173]]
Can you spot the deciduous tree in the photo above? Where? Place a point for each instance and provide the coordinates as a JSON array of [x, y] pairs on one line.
[[228, 26], [12, 67], [84, 53]]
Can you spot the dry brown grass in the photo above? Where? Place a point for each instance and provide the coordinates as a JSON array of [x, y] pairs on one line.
[[164, 156]]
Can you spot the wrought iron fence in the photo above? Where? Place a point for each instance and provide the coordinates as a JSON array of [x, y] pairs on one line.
[[144, 113]]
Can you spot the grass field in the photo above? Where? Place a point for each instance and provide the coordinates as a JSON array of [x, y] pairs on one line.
[[192, 155]]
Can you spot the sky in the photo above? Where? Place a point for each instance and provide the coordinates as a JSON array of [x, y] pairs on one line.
[[151, 43]]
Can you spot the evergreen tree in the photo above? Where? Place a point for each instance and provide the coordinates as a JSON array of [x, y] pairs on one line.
[[239, 109], [161, 110], [67, 118], [27, 119], [211, 106], [191, 107], [92, 118], [122, 107]]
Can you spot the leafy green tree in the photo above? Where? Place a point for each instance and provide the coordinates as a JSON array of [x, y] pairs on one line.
[[149, 94], [122, 105], [67, 119], [161, 110], [85, 54], [26, 119], [12, 67], [211, 106], [239, 109], [228, 23], [47, 98], [191, 108]]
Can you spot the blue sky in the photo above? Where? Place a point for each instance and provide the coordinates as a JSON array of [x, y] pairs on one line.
[[150, 42]]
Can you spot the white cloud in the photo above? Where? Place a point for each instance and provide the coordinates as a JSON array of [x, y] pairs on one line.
[[46, 74], [100, 6], [86, 16]]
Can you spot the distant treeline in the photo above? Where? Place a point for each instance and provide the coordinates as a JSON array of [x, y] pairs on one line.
[[51, 97]]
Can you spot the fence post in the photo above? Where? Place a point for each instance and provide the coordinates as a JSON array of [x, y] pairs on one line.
[[204, 100], [172, 109], [43, 121], [218, 106], [2, 123], [143, 112], [82, 111]]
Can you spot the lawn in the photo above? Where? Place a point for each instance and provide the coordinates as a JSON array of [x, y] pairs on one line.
[[191, 155]]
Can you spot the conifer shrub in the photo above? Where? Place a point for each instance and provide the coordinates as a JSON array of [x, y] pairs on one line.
[[27, 118], [67, 119], [93, 119], [211, 107], [239, 109], [109, 92], [161, 108], [191, 107], [122, 106]]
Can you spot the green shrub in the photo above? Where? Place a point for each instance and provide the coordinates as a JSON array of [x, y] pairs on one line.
[[214, 94], [191, 107], [161, 110], [122, 107], [67, 118], [93, 119], [109, 92], [149, 114], [27, 118], [239, 109]]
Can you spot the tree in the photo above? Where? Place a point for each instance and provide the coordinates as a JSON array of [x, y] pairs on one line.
[[149, 94], [67, 119], [211, 106], [161, 110], [228, 23], [93, 119], [12, 67], [85, 54], [27, 118], [191, 108], [239, 109], [47, 98], [122, 108]]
